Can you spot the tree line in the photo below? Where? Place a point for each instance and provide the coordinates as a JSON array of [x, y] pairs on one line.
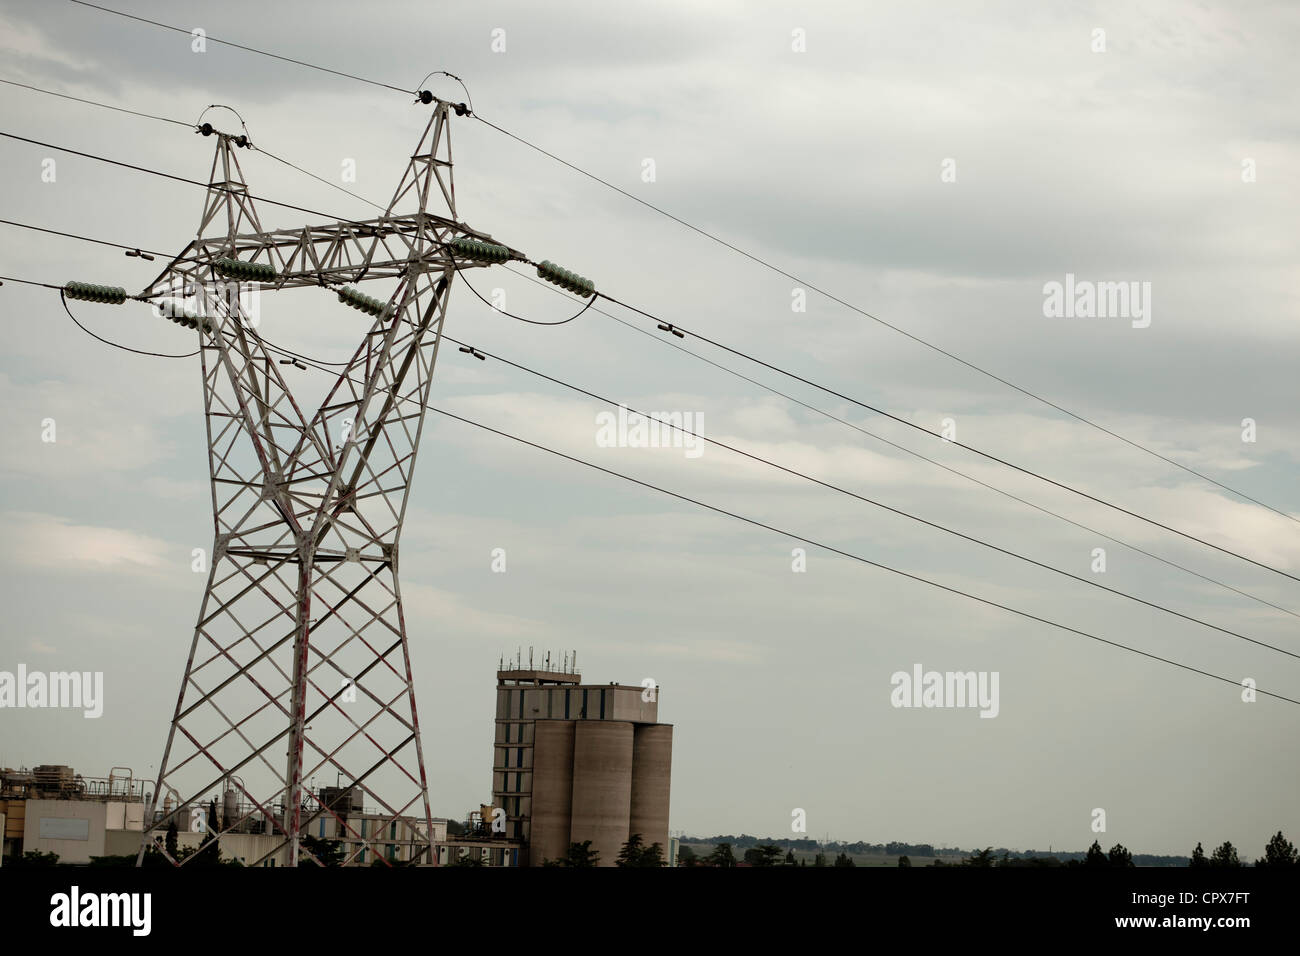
[[1280, 853], [767, 854]]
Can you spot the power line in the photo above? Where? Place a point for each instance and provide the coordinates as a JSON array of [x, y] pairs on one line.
[[195, 126], [321, 179], [826, 547], [991, 457], [983, 454], [298, 355], [736, 352], [871, 501], [847, 554], [103, 159], [915, 338], [855, 557], [590, 303], [43, 285], [106, 106], [748, 255], [790, 534], [851, 493], [724, 368], [746, 356], [948, 468], [73, 235], [716, 365], [915, 454], [124, 348], [172, 176], [240, 46]]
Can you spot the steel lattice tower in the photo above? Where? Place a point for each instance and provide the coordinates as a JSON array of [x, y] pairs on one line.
[[299, 663]]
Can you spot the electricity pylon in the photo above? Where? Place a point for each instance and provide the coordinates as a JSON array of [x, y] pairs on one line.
[[299, 664]]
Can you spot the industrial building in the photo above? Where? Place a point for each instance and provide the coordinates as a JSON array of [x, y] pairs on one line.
[[54, 809], [574, 762], [364, 834]]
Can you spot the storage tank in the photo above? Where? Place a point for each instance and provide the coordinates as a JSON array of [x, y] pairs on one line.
[[229, 808], [552, 795], [652, 760], [602, 786]]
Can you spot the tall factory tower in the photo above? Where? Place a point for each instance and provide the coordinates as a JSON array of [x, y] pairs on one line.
[[574, 762]]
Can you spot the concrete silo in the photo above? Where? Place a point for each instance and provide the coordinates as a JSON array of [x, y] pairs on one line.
[[552, 790], [602, 786], [652, 760]]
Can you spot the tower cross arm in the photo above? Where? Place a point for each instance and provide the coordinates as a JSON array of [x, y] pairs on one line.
[[334, 253]]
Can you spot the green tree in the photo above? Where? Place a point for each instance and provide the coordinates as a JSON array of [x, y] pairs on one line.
[[789, 858], [153, 857], [686, 856], [329, 852], [765, 855], [1225, 855], [1198, 857], [904, 861], [844, 860], [981, 858], [653, 855], [170, 842], [208, 853], [819, 859], [1119, 856], [581, 855], [1279, 854], [721, 856], [1095, 856], [36, 858], [630, 855], [635, 853]]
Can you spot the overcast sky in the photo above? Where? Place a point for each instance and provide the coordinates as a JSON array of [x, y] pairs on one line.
[[1169, 158]]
